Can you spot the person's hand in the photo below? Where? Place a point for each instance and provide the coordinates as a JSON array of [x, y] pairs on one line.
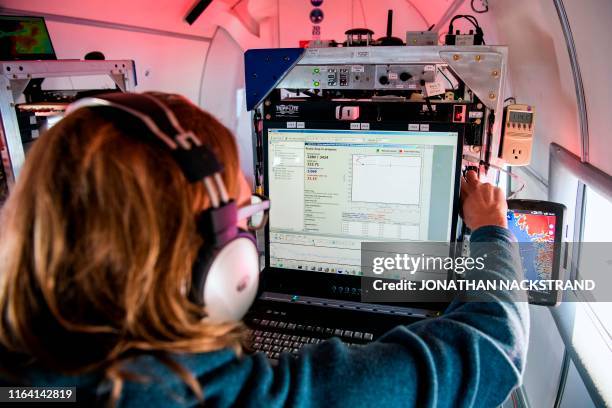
[[482, 204]]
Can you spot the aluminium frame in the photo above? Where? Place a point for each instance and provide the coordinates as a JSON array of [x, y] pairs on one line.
[[15, 77]]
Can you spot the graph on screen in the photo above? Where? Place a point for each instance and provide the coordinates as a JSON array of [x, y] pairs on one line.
[[386, 179]]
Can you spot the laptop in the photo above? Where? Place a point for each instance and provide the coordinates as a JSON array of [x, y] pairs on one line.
[[333, 187], [25, 38]]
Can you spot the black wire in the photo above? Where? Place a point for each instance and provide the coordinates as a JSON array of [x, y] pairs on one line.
[[484, 10], [491, 122], [449, 81], [472, 19], [258, 150], [510, 98], [429, 106], [469, 18]]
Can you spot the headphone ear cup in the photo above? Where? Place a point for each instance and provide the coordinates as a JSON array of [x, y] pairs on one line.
[[225, 281]]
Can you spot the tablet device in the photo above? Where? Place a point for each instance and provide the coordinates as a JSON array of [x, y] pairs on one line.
[[538, 227]]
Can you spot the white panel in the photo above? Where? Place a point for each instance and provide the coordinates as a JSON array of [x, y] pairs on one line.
[[221, 95], [590, 22], [540, 73], [163, 63], [544, 359]]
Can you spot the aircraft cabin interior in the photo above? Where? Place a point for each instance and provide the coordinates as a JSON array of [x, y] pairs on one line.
[[306, 203]]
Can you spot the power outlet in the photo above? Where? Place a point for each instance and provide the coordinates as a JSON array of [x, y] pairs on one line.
[[516, 151], [517, 136]]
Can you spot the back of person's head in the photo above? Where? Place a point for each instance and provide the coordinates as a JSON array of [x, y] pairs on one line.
[[97, 243]]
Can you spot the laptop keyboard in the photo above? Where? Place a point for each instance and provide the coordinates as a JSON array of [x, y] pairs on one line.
[[274, 337]]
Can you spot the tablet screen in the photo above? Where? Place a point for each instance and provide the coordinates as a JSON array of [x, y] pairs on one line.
[[537, 229]]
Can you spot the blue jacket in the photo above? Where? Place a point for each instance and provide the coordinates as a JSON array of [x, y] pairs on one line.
[[471, 356]]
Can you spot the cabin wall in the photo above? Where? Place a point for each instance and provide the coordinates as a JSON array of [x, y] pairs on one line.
[[162, 63], [539, 74], [590, 22]]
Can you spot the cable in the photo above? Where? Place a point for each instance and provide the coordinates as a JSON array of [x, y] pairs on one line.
[[474, 160], [449, 81], [490, 124], [514, 403], [484, 10], [473, 20], [419, 13], [510, 98], [468, 17], [441, 36], [429, 106], [258, 152], [365, 22]]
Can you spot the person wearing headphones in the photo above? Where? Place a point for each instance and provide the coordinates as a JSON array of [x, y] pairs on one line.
[[126, 266]]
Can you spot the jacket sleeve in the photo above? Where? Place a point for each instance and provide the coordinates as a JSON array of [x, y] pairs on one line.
[[471, 356]]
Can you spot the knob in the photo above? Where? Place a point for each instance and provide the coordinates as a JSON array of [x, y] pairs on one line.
[[404, 76], [384, 80]]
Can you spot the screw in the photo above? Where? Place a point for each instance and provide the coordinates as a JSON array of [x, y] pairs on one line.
[[268, 116], [478, 121], [475, 149], [495, 73], [478, 58], [479, 106], [268, 103], [456, 57], [492, 95]]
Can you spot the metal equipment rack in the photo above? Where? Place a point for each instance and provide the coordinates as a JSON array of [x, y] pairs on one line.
[[293, 84], [15, 76]]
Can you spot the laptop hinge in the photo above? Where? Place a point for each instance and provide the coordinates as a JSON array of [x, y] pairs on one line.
[[348, 305]]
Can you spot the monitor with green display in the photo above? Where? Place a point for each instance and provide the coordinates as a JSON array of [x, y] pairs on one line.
[[24, 38]]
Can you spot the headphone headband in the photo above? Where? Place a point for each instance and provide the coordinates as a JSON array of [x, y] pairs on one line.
[[226, 271], [195, 160]]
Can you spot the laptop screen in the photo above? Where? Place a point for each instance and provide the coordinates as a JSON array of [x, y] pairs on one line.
[[333, 189], [24, 38]]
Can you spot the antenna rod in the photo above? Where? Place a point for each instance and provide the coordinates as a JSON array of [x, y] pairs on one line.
[[389, 23]]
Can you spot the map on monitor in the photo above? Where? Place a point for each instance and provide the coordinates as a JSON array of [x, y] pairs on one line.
[[538, 229], [537, 226]]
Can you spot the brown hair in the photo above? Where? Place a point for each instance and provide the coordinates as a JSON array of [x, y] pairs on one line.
[[97, 243]]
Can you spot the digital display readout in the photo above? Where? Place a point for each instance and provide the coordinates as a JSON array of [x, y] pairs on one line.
[[521, 117]]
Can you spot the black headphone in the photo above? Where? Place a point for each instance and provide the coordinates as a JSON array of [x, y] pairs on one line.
[[226, 271]]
